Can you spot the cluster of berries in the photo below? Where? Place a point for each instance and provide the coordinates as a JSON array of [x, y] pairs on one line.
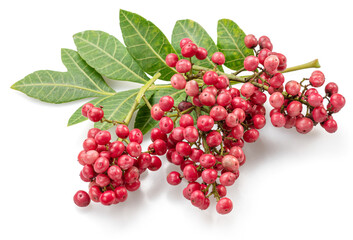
[[111, 168], [288, 105], [210, 153]]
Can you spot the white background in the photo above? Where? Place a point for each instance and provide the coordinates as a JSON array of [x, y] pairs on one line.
[[292, 186]]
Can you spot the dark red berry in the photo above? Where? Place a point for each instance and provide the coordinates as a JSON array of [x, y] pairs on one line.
[[82, 199]]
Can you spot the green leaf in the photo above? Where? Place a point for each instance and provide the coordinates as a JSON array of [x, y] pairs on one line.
[[80, 81], [191, 29], [230, 41], [146, 44], [143, 120], [116, 107], [108, 56]]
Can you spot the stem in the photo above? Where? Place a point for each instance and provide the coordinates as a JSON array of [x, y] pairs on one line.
[[313, 64], [147, 102], [139, 96]]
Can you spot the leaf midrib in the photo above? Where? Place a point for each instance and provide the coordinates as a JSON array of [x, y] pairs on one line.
[[64, 85]]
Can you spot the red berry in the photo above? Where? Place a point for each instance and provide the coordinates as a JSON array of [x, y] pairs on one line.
[[89, 144], [82, 199], [173, 178], [330, 125], [197, 198], [115, 173], [238, 131], [133, 186], [156, 112], [222, 82], [85, 108], [156, 163], [134, 149], [183, 149], [95, 114], [315, 100], [166, 103], [166, 124], [205, 123], [184, 41], [201, 53], [259, 121], [319, 114], [121, 193], [222, 191], [102, 180], [94, 193], [192, 88], [190, 188], [331, 88], [91, 156], [190, 173], [207, 99], [251, 135], [178, 81], [218, 58], [183, 106], [263, 54], [250, 41], [92, 132], [102, 137], [131, 175], [122, 131], [266, 44], [189, 50], [304, 125], [278, 119], [156, 133], [183, 66], [228, 178], [195, 154], [136, 135], [276, 100], [218, 113], [87, 171], [160, 147], [294, 108], [277, 80], [292, 88], [232, 120], [125, 162], [224, 206], [207, 160], [107, 198], [171, 59], [116, 149], [271, 63], [191, 134], [209, 176], [214, 139], [251, 63], [247, 89], [337, 101], [317, 79], [101, 165], [186, 120], [230, 163], [210, 77]]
